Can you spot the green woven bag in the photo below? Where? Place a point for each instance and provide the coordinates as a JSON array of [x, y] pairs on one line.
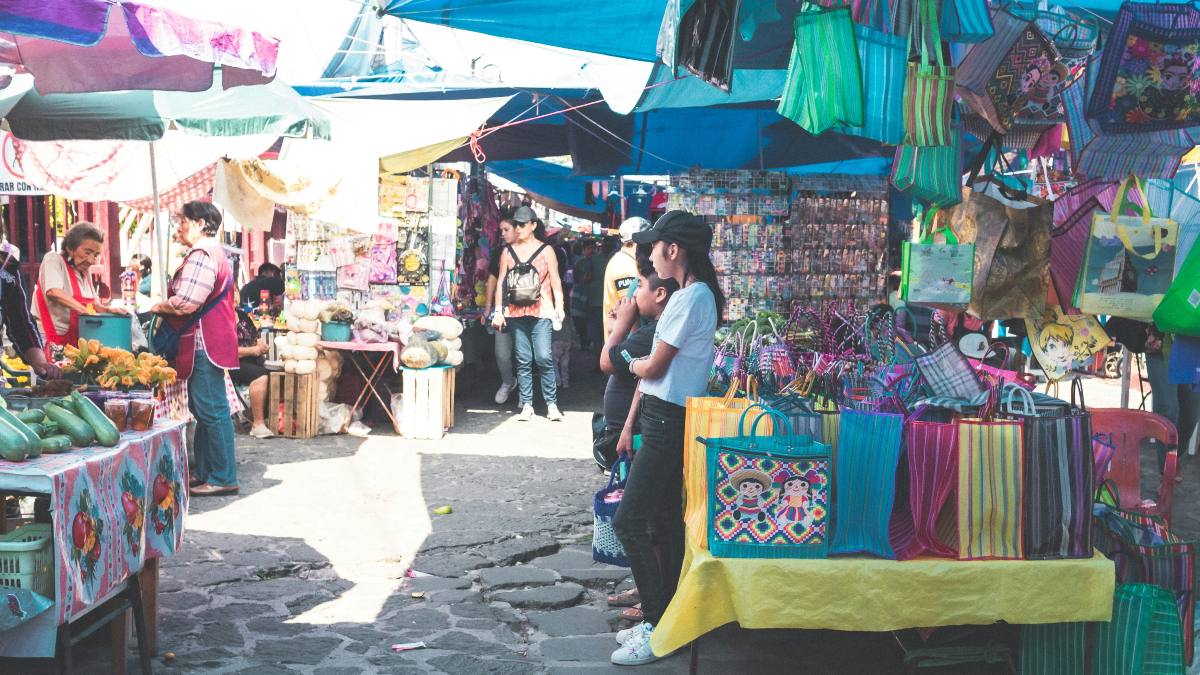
[[824, 82], [929, 88], [931, 174]]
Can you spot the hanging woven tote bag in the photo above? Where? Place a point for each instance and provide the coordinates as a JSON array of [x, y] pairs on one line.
[[606, 548], [868, 451], [1072, 227], [1003, 75], [991, 478], [1149, 76], [929, 87], [929, 173], [824, 86], [768, 494], [966, 21], [1096, 153], [883, 58]]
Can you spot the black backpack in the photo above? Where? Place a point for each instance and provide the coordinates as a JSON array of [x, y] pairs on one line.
[[522, 283]]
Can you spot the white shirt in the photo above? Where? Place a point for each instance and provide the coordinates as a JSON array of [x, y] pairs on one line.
[[689, 324]]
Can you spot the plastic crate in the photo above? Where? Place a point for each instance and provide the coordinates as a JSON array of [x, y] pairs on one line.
[[26, 559]]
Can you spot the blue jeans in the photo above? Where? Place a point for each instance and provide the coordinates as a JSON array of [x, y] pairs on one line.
[[215, 460], [532, 337], [504, 355]]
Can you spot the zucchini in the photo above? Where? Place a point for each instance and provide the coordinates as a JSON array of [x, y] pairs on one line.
[[107, 433], [13, 446], [80, 432], [32, 415], [43, 429], [53, 444], [32, 440]]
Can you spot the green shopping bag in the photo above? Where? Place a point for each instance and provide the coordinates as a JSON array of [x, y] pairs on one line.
[[929, 88], [824, 82], [939, 275], [930, 173], [1179, 311]]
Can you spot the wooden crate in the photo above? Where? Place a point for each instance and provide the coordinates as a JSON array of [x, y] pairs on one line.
[[292, 405], [427, 402]]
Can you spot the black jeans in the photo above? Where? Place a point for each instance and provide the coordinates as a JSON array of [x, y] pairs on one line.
[[653, 500]]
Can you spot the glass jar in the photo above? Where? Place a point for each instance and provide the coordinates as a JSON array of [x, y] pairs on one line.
[[117, 410], [141, 413]]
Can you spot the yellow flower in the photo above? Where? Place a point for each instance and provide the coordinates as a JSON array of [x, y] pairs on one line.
[[127, 381], [94, 345]]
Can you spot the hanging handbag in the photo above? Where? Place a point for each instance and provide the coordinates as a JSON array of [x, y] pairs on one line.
[[868, 451], [1014, 70], [990, 487], [769, 494], [966, 21], [1072, 227], [606, 547], [929, 86], [1011, 233], [948, 374], [882, 58], [1059, 478], [824, 84], [1129, 261], [706, 39], [1179, 311], [936, 274], [1096, 153], [929, 173], [1150, 73]]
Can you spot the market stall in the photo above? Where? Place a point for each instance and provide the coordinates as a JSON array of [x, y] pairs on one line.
[[94, 478]]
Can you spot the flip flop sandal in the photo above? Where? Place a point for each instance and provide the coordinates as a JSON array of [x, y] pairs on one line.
[[627, 598], [633, 613]]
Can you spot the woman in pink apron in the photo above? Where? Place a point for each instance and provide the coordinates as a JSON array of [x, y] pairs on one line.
[[64, 289]]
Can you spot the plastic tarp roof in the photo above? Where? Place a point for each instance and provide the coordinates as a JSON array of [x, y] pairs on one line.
[[625, 28], [554, 185]]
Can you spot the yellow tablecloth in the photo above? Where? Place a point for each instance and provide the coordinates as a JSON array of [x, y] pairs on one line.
[[867, 594]]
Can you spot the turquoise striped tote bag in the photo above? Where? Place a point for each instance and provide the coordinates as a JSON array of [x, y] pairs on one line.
[[865, 482], [883, 58], [966, 20]]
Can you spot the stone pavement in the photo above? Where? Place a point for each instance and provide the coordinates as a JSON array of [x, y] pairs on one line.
[[307, 571]]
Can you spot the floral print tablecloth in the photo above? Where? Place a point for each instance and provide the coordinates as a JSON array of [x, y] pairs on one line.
[[113, 508]]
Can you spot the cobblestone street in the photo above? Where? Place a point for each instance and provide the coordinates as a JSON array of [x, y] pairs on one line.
[[305, 571]]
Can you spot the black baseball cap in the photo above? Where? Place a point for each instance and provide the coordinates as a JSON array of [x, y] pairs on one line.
[[524, 215], [679, 227]]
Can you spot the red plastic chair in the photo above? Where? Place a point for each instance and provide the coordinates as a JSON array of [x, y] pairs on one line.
[[1129, 430]]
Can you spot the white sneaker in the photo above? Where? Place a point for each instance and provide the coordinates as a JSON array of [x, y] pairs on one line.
[[636, 650], [503, 393], [526, 413], [553, 413], [624, 635], [261, 431]]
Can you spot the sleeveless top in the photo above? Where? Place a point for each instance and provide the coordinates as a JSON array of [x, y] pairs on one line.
[[544, 309]]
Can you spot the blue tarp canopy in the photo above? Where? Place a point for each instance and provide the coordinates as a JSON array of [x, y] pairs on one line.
[[625, 28]]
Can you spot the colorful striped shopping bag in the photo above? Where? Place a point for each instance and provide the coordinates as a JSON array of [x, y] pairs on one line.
[[824, 83], [929, 173], [883, 59], [929, 87], [966, 20], [1072, 227], [931, 454], [1142, 637], [865, 476], [706, 417], [1059, 485], [1145, 551], [990, 486]]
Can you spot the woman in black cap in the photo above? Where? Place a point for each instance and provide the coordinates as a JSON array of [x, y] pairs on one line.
[[677, 368]]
